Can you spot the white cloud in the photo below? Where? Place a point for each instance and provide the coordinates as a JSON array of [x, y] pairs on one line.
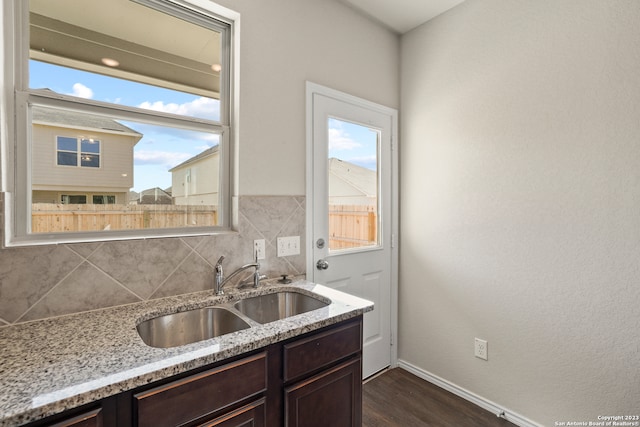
[[170, 159], [206, 108], [82, 91], [340, 140]]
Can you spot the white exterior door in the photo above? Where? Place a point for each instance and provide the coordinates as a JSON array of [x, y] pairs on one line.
[[350, 200]]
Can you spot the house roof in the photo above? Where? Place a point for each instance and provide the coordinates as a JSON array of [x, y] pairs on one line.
[[206, 153], [154, 196], [67, 118], [155, 191], [353, 179]]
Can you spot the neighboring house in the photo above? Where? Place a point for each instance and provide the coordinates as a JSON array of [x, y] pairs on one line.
[[196, 180], [133, 197], [80, 158], [154, 196], [350, 184]]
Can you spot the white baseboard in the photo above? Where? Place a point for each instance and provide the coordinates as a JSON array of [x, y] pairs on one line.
[[490, 406]]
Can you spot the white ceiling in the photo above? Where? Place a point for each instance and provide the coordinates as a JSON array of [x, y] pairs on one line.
[[403, 15]]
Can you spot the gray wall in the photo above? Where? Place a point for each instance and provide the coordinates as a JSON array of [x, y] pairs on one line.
[[283, 43], [521, 203]]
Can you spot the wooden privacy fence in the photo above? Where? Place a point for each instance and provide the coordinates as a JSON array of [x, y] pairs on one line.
[[52, 218], [352, 226]]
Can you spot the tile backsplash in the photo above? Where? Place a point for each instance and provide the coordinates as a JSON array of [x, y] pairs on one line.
[[45, 281]]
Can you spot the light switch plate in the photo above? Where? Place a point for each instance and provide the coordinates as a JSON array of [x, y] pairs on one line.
[[288, 246], [259, 249]]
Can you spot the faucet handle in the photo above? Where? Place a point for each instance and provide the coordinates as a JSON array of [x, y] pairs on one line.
[[218, 268]]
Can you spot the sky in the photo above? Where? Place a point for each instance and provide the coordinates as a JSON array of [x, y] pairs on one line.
[[160, 149], [353, 143]]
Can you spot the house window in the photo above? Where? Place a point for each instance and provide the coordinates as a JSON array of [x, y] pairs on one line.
[[104, 200], [67, 199], [150, 80], [80, 152]]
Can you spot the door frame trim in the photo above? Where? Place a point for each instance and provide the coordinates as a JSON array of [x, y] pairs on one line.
[[314, 88]]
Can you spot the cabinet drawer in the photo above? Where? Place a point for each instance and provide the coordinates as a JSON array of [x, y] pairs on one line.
[[254, 415], [202, 394], [319, 350]]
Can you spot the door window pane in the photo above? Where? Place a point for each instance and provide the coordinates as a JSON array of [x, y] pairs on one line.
[[353, 176]]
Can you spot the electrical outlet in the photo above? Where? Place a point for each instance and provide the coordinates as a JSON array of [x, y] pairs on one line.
[[259, 249], [481, 351], [288, 246]]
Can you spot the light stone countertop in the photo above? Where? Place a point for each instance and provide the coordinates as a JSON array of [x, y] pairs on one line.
[[52, 365]]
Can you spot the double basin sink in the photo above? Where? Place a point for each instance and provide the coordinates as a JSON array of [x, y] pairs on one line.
[[191, 326]]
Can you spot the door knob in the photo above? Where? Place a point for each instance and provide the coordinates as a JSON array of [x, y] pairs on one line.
[[322, 264]]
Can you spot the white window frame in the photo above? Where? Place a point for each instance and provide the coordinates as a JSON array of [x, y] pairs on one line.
[[15, 123], [78, 151]]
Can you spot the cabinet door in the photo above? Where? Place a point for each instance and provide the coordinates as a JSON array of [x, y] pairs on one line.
[[88, 419], [331, 398], [253, 415]]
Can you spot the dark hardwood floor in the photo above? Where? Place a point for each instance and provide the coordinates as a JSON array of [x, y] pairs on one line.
[[399, 398]]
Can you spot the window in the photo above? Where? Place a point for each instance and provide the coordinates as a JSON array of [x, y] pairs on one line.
[[353, 185], [104, 200], [129, 90], [68, 199], [68, 149]]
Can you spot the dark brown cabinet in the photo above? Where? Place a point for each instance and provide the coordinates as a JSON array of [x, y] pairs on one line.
[[193, 398], [319, 350], [311, 380], [254, 415], [323, 378], [332, 398], [97, 414], [88, 419]]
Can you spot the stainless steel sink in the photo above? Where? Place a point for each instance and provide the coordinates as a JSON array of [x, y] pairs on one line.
[[176, 329], [271, 307], [186, 327]]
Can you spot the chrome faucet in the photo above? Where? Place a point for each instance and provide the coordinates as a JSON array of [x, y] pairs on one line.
[[220, 280]]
